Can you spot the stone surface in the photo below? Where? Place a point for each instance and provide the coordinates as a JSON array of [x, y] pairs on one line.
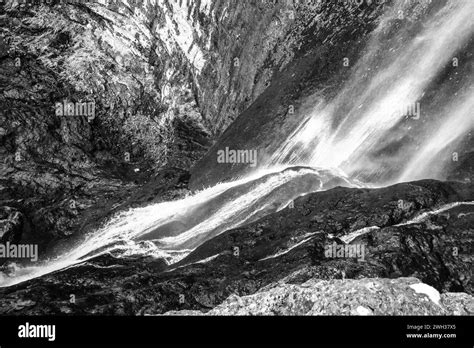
[[336, 297], [458, 303]]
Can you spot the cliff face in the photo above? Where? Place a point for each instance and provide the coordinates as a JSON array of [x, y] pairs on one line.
[[160, 80]]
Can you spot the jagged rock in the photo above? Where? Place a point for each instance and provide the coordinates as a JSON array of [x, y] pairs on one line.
[[361, 297], [59, 171], [339, 297]]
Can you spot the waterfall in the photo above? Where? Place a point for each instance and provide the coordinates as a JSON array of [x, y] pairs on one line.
[[336, 143]]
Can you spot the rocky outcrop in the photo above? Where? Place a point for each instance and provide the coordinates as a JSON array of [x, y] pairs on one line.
[[361, 297]]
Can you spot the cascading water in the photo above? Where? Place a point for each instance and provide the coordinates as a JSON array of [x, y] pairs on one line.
[[343, 135], [346, 132]]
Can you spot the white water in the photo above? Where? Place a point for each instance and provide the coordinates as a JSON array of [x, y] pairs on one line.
[[341, 134], [128, 232], [372, 106]]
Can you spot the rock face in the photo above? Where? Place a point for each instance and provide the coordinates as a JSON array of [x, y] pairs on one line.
[[428, 237], [165, 78], [344, 297]]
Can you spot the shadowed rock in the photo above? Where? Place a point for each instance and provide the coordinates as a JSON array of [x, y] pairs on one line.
[[359, 297]]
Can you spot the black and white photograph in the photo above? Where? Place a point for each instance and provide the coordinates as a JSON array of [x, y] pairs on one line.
[[178, 161]]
